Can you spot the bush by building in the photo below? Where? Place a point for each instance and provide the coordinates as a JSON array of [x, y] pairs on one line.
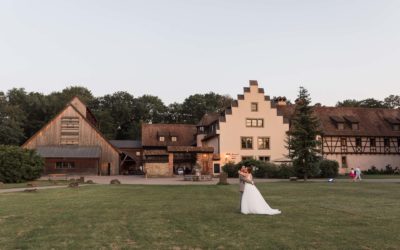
[[19, 165]]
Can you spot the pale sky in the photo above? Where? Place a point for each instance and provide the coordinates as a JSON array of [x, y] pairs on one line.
[[337, 49]]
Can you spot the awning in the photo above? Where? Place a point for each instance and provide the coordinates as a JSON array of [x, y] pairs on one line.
[[283, 159], [69, 152], [187, 149]]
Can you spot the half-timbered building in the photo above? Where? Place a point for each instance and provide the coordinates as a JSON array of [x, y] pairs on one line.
[[71, 143], [357, 137]]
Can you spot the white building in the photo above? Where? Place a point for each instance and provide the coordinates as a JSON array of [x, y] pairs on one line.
[[254, 127]]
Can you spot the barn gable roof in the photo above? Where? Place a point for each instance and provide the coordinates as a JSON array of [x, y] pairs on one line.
[[58, 115]]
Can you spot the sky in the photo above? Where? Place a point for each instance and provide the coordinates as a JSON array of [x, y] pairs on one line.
[[337, 49]]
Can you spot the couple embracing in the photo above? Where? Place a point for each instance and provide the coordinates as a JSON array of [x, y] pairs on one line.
[[251, 200]]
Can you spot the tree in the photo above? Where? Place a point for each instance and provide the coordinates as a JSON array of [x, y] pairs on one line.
[[302, 137], [11, 122], [174, 113], [366, 103], [348, 103], [392, 101], [114, 114], [372, 103], [195, 106], [149, 109]]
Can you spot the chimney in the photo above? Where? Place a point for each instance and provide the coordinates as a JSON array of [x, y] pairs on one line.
[[281, 101]]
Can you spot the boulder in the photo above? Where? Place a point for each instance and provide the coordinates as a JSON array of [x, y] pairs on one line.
[[30, 190], [115, 181], [223, 179], [73, 185]]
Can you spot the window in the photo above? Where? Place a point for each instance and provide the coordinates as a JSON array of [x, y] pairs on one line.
[[255, 123], [217, 168], [69, 130], [344, 162], [386, 142], [358, 141], [254, 107], [396, 127], [65, 165], [372, 142], [340, 126], [343, 142], [161, 138], [174, 139], [264, 158], [247, 142], [245, 158], [138, 153], [263, 143], [354, 126]]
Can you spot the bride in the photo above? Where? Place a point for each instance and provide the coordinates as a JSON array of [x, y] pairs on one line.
[[252, 200]]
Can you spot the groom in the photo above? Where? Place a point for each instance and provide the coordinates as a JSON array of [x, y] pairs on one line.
[[242, 181], [241, 184]]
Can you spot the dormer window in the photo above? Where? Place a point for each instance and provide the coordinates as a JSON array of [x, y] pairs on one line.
[[352, 121], [161, 138], [254, 107], [339, 122], [395, 123], [174, 138]]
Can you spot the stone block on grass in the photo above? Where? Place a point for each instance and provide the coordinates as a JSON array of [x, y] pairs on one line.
[[115, 181]]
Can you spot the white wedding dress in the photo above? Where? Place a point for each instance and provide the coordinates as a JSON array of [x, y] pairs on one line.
[[253, 202]]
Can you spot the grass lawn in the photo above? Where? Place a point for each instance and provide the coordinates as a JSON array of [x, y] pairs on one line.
[[315, 216], [38, 183]]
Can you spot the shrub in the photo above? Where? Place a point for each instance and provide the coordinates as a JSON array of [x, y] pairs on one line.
[[19, 165], [266, 169], [329, 169], [285, 171], [260, 169], [231, 169]]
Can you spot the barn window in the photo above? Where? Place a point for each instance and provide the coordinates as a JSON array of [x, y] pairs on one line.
[[65, 165], [69, 130]]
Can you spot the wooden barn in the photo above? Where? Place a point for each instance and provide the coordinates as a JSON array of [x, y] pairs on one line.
[[71, 144]]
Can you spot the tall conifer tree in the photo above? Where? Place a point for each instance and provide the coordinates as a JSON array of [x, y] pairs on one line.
[[302, 136]]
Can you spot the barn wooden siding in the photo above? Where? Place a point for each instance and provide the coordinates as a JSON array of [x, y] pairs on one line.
[[88, 136]]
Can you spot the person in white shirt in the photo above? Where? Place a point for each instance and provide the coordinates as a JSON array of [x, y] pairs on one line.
[[358, 174]]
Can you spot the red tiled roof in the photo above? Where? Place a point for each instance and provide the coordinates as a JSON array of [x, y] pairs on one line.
[[185, 134], [372, 121]]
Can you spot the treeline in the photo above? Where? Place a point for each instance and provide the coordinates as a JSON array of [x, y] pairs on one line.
[[119, 115], [392, 101]]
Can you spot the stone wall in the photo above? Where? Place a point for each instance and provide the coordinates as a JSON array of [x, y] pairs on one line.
[[157, 169]]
